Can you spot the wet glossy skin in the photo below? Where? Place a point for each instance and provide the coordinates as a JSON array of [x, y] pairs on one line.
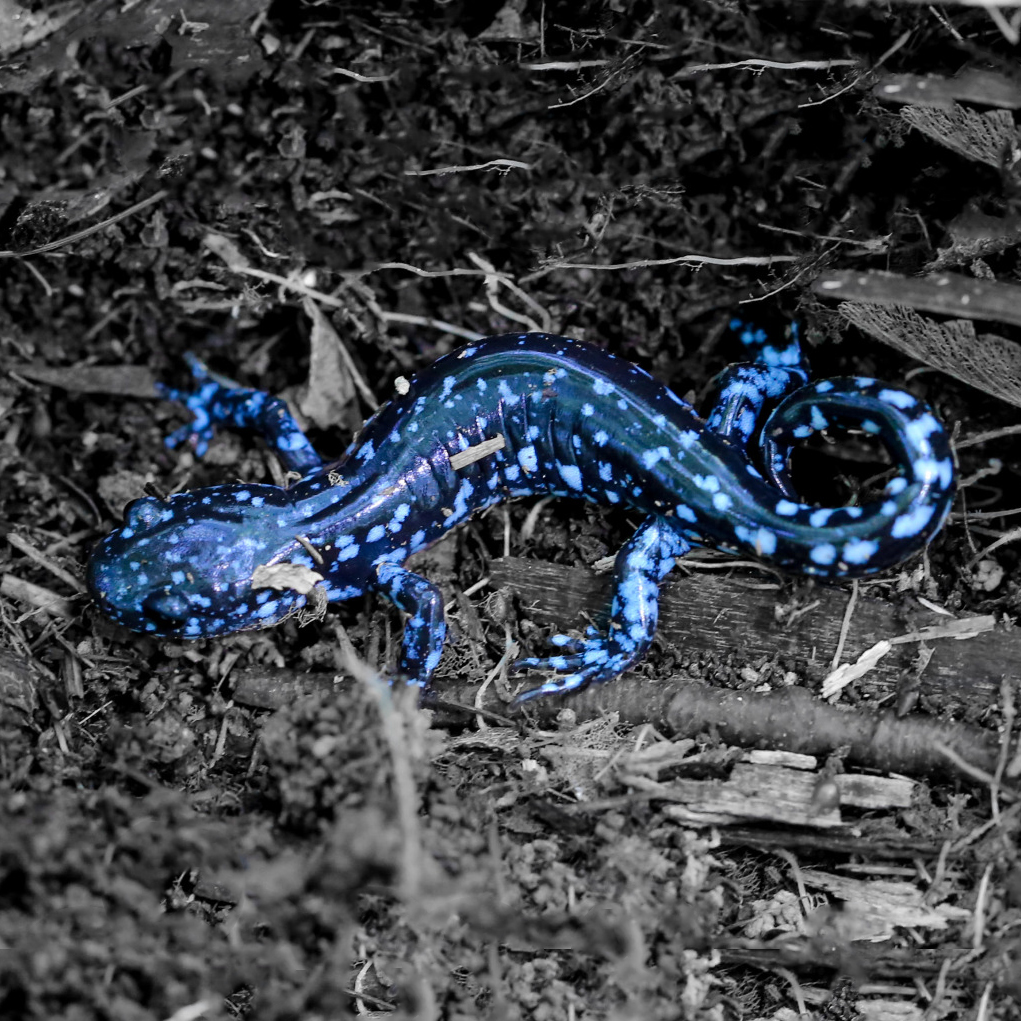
[[552, 416]]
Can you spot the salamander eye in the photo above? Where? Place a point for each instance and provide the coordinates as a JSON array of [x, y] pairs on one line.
[[143, 513]]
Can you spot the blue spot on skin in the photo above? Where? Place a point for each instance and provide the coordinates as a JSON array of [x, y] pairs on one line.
[[762, 540], [787, 509], [897, 485], [819, 518], [600, 438], [400, 515], [722, 501], [462, 507], [375, 533], [859, 551], [926, 470], [911, 523], [241, 495], [897, 399], [587, 409], [651, 457], [919, 430], [824, 386], [818, 420], [606, 471], [293, 442], [601, 387], [684, 512], [570, 474], [825, 553], [527, 459], [512, 473]]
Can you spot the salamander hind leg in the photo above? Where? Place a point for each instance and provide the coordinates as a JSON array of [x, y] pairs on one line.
[[220, 401], [743, 393], [425, 629], [640, 566]]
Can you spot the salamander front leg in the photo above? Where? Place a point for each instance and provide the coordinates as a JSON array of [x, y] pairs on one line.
[[425, 629], [221, 401], [640, 566]]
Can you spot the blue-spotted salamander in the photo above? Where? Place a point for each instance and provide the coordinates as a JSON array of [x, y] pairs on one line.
[[510, 416]]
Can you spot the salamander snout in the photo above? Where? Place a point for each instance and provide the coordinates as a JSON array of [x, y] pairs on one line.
[[183, 567]]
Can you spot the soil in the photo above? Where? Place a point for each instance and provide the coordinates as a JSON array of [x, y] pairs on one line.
[[406, 175]]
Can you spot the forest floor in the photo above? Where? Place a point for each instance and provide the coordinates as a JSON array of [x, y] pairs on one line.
[[240, 827]]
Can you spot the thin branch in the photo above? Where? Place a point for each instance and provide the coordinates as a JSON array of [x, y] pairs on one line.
[[692, 260], [361, 77], [504, 166], [71, 238], [760, 65]]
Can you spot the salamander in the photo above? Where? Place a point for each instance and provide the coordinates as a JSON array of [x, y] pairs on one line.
[[513, 416]]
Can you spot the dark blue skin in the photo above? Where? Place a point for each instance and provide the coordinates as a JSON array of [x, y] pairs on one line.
[[574, 421]]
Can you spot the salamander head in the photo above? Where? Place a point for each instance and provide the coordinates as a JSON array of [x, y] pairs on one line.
[[183, 567]]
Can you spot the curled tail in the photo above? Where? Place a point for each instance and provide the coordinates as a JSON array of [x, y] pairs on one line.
[[853, 541]]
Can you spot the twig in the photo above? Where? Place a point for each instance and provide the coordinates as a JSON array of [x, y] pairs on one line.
[[845, 625], [362, 77], [223, 249], [24, 546], [436, 324], [1010, 536], [504, 166], [992, 434], [883, 58], [394, 724], [565, 65], [602, 85], [71, 238], [692, 260], [756, 64]]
